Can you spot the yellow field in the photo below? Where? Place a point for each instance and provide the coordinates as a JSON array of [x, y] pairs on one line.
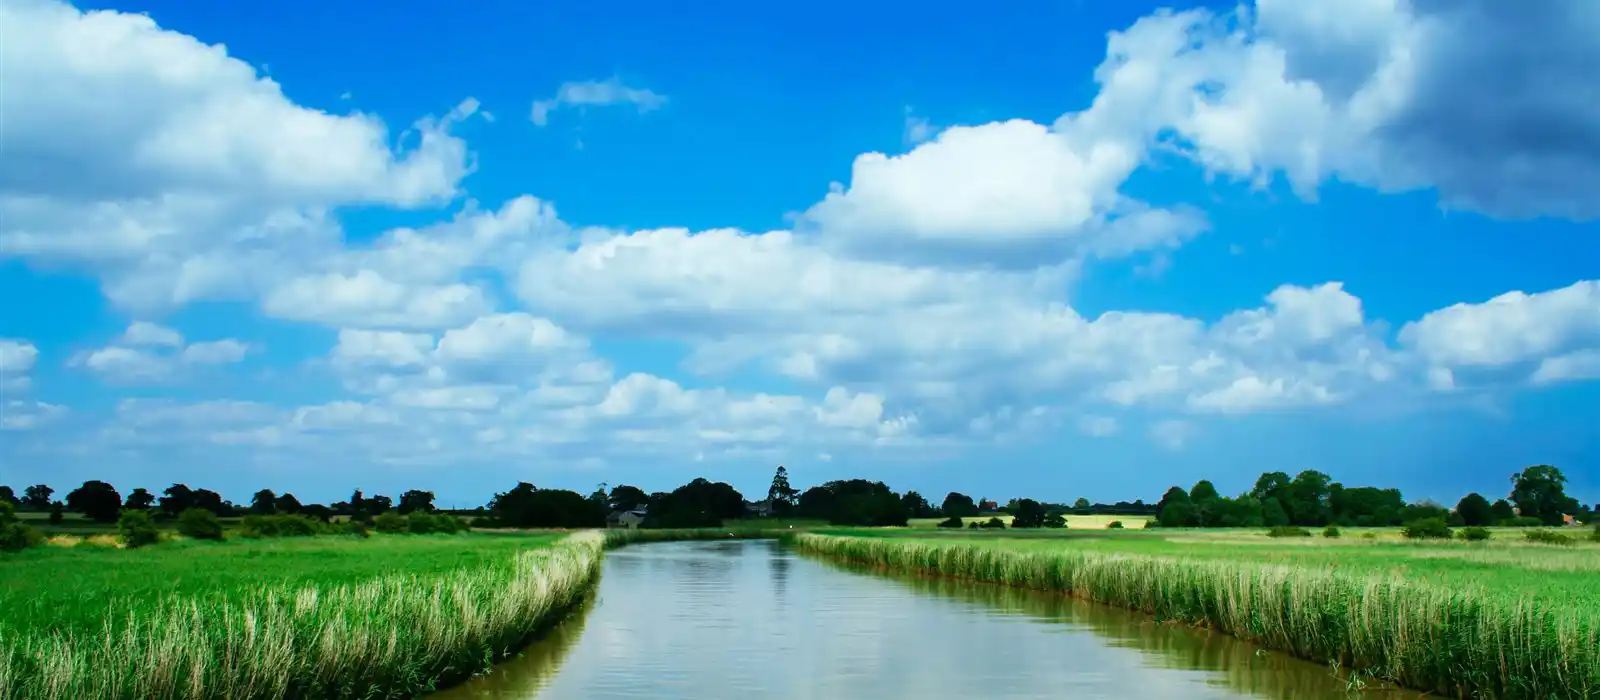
[[1081, 522]]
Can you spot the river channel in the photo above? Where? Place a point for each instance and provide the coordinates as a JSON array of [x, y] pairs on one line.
[[751, 619]]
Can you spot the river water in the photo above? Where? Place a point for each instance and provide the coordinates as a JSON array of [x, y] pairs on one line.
[[751, 619]]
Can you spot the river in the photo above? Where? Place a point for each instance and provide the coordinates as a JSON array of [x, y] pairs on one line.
[[750, 619]]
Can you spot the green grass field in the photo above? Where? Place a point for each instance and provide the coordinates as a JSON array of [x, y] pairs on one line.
[[307, 617], [1079, 522], [1500, 619]]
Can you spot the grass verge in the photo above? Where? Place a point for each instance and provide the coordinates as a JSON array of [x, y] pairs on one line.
[[389, 635], [1460, 643]]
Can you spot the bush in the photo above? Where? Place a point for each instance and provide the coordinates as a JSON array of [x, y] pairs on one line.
[[483, 521], [200, 524], [1521, 522], [1331, 531], [1055, 520], [1288, 531], [1548, 537], [15, 535], [137, 529], [1427, 529], [972, 525], [1114, 525], [390, 523], [1595, 536], [994, 523], [57, 513], [356, 528], [1475, 534], [951, 521], [257, 526]]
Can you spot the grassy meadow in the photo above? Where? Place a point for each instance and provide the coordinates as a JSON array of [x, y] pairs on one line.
[[1503, 618], [303, 617]]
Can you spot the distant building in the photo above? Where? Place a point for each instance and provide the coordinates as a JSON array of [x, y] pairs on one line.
[[1568, 520], [626, 519], [988, 506]]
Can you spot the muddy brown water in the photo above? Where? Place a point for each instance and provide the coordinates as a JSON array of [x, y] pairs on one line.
[[752, 619]]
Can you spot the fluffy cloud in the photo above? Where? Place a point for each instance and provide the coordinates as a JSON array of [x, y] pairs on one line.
[[16, 361], [1549, 336], [18, 412], [147, 352], [596, 93]]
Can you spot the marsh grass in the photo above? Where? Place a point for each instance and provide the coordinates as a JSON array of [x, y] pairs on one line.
[[391, 635], [1464, 643]]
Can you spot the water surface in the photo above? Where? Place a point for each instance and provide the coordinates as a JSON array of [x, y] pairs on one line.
[[750, 619]]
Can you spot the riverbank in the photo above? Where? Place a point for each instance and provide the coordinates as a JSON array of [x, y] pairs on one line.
[[1474, 642], [335, 618]]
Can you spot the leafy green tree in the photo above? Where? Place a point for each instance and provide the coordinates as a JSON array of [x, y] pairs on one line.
[[780, 494], [264, 502], [358, 503], [393, 523], [37, 497], [96, 499], [1028, 514], [950, 522], [15, 535], [58, 513], [1502, 510], [8, 496], [1081, 505], [1475, 510], [699, 503], [419, 501], [200, 524], [917, 506], [1176, 509], [1307, 499], [855, 502], [1365, 506], [627, 498], [139, 499], [378, 505], [527, 506], [1202, 491], [959, 505], [1273, 513], [1270, 485], [288, 504], [176, 499], [137, 529], [1055, 520], [1540, 492]]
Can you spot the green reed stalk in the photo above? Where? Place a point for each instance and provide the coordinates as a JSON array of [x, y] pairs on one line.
[[392, 636], [1462, 644]]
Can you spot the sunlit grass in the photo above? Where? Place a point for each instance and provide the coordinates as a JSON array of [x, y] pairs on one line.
[[326, 617], [1506, 631]]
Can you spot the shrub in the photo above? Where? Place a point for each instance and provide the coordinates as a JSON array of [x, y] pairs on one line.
[[58, 513], [200, 524], [1331, 531], [389, 523], [1427, 529], [356, 528], [1055, 520], [420, 523], [1475, 534], [1288, 531], [994, 523], [296, 526], [1548, 537], [952, 521], [15, 535], [972, 525], [137, 529], [257, 526], [1521, 521], [483, 521], [1369, 535], [1114, 525], [1595, 536]]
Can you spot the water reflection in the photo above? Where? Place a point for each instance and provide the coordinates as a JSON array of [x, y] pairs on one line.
[[747, 619]]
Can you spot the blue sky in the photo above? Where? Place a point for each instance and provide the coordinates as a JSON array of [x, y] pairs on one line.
[[1046, 249]]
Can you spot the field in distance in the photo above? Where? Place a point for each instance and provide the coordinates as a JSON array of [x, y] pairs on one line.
[[1087, 522]]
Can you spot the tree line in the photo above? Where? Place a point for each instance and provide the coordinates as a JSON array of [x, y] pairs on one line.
[[1312, 499]]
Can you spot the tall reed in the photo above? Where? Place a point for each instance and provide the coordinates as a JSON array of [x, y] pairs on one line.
[[1464, 644], [391, 636]]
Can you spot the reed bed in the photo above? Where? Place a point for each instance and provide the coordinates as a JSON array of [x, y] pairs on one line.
[[390, 636], [1458, 643]]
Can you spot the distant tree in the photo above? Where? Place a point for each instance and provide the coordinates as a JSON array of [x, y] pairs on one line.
[[212, 501], [96, 499], [699, 503], [959, 505], [378, 505], [855, 502], [176, 499], [37, 497], [1424, 510], [1306, 499], [264, 502], [1082, 504], [598, 497], [1540, 492], [627, 498], [994, 524], [527, 506], [1273, 513], [780, 494], [416, 500], [1365, 506], [8, 496], [358, 504], [1028, 514], [58, 513], [817, 502], [318, 511], [1475, 510], [288, 504], [16, 535], [1054, 520], [139, 499], [1270, 485], [1202, 491], [1176, 509], [917, 506], [950, 522]]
